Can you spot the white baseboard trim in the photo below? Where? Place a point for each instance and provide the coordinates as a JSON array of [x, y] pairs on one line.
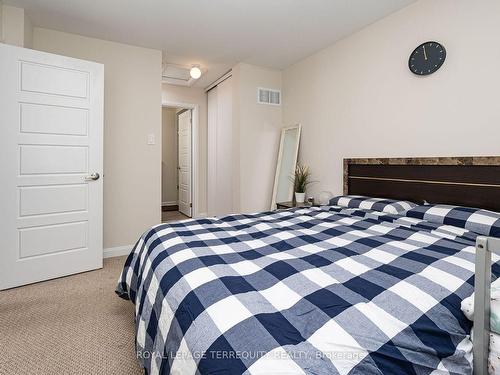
[[169, 203], [202, 215], [117, 251]]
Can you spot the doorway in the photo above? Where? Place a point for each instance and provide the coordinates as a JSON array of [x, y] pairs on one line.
[[177, 163], [52, 189]]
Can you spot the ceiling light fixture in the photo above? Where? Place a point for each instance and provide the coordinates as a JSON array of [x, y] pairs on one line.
[[195, 72]]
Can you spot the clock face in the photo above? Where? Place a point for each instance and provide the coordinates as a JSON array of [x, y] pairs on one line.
[[427, 58]]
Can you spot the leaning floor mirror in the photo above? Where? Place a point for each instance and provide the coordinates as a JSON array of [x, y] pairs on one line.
[[285, 168]]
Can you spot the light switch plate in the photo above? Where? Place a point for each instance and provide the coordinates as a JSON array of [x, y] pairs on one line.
[[151, 139]]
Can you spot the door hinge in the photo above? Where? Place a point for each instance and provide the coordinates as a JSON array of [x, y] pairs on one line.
[[190, 205]]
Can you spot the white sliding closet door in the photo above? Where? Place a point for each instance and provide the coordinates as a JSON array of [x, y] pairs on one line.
[[51, 116], [220, 149]]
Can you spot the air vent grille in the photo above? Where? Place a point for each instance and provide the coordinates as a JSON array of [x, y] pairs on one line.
[[268, 96]]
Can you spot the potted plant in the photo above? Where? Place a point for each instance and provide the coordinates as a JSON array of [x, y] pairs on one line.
[[301, 178]]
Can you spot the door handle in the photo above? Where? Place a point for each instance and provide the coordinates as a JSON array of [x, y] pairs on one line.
[[92, 177]]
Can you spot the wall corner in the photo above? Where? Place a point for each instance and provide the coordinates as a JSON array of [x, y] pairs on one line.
[[28, 32], [1, 21]]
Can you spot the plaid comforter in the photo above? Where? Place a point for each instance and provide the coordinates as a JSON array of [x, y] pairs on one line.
[[321, 290]]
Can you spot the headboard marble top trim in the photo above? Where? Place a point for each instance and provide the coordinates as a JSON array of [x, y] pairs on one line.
[[452, 180]]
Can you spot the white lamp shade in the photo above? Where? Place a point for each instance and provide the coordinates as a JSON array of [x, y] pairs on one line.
[[195, 72]]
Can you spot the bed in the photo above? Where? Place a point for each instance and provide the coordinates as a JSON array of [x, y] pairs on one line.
[[334, 289]]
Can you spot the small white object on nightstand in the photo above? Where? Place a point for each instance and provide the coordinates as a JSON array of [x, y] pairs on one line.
[[324, 197]]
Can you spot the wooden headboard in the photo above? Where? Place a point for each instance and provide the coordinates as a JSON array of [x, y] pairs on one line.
[[466, 181]]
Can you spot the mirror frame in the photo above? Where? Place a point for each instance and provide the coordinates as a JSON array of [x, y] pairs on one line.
[[278, 163]]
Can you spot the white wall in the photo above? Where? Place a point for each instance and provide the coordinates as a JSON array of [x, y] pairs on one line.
[[15, 26], [197, 96], [169, 156], [132, 110], [1, 21], [357, 98], [257, 132]]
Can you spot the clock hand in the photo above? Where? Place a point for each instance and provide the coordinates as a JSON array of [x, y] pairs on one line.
[[425, 54]]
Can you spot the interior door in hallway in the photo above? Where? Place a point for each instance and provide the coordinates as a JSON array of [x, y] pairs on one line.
[[184, 168], [51, 162]]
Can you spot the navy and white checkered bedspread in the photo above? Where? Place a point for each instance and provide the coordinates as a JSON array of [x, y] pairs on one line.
[[321, 290]]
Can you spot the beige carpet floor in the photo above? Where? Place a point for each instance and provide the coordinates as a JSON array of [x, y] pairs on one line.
[[71, 325], [170, 216]]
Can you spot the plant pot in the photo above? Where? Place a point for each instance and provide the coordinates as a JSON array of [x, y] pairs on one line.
[[300, 197]]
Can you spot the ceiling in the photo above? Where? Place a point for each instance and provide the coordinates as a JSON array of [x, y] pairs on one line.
[[214, 33]]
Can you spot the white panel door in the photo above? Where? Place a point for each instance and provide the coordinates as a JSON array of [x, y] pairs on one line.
[[184, 157], [51, 115]]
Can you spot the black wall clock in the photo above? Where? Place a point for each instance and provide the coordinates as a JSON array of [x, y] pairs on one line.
[[427, 58]]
